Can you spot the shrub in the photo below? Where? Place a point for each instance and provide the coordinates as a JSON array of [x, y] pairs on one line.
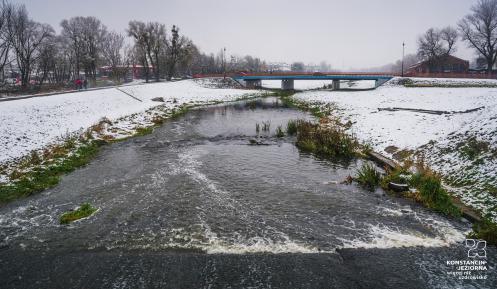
[[433, 195], [485, 230], [83, 211], [279, 132], [368, 177], [291, 127], [329, 141]]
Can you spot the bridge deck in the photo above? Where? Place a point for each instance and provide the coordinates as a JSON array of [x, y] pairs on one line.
[[313, 77]]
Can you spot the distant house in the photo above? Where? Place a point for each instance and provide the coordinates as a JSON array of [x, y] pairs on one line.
[[447, 64]]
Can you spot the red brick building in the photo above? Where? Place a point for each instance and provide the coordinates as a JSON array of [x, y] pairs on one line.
[[447, 64]]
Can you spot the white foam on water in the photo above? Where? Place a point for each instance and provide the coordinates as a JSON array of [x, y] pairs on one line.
[[284, 245], [384, 237], [390, 211], [261, 245]]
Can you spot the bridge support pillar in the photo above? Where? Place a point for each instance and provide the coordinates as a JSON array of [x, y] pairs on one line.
[[253, 83], [336, 84], [287, 84]]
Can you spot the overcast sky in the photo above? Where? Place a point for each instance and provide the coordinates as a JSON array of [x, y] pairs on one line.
[[345, 33]]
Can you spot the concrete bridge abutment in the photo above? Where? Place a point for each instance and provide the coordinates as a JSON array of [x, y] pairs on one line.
[[336, 84], [287, 84]]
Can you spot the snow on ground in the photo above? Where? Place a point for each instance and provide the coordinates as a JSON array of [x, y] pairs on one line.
[[441, 138], [406, 129], [31, 124], [452, 81], [316, 84]]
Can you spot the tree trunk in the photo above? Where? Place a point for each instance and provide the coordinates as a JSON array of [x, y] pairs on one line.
[[490, 65]]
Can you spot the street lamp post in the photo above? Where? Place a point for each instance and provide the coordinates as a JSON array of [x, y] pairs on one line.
[[403, 49], [224, 63]]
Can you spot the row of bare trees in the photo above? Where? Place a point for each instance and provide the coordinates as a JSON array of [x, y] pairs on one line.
[[156, 51], [478, 29], [35, 54], [22, 40]]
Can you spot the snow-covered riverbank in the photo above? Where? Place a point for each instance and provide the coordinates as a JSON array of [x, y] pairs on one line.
[[32, 124], [461, 145]]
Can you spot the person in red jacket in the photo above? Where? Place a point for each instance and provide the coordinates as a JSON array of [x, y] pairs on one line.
[[78, 83]]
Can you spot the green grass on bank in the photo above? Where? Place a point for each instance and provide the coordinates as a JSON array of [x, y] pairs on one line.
[[85, 210], [428, 188], [44, 177], [485, 230]]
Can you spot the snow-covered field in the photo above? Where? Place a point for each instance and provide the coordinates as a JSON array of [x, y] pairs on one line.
[[32, 124], [453, 81], [440, 138]]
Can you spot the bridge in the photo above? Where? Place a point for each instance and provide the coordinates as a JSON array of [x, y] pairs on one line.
[[288, 79]]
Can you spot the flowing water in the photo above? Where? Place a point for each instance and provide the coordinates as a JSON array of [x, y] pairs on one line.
[[196, 205]]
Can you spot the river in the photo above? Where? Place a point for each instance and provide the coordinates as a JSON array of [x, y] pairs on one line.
[[196, 205]]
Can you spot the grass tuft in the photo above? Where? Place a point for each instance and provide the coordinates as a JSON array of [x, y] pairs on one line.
[[279, 132], [141, 131], [176, 113], [291, 127], [266, 126], [368, 177], [83, 211]]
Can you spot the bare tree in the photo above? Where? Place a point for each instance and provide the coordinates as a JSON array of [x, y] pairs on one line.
[[87, 35], [71, 31], [158, 44], [479, 29], [177, 47], [186, 56], [143, 47], [5, 13], [436, 44], [26, 37], [63, 64], [45, 61], [112, 51]]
